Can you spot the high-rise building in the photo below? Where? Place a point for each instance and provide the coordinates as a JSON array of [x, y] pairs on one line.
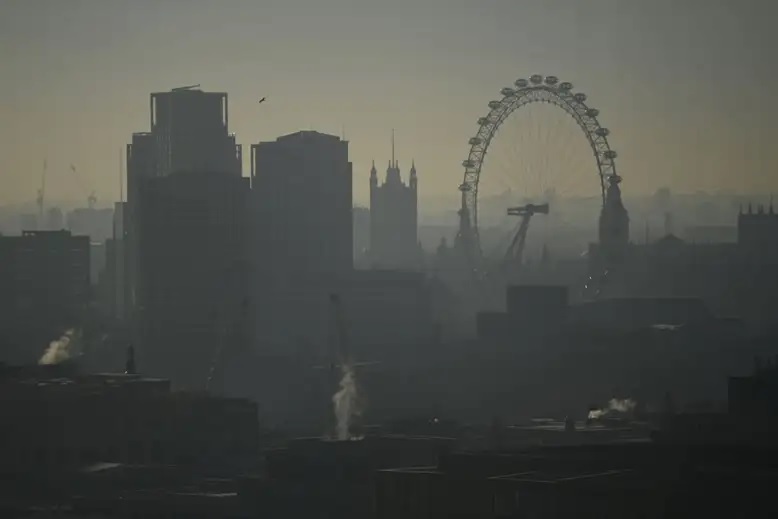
[[303, 234], [191, 133], [394, 239], [44, 290], [302, 194], [192, 265], [184, 226]]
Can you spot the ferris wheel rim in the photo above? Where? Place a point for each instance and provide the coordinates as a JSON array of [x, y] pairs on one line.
[[529, 91]]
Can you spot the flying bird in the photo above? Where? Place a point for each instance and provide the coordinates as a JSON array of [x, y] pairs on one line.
[[262, 100]]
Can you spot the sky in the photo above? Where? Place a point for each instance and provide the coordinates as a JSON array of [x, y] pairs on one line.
[[685, 86]]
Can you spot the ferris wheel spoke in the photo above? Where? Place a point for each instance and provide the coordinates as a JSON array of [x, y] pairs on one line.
[[537, 153]]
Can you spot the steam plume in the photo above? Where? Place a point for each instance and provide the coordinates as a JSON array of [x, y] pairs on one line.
[[615, 405], [61, 349], [345, 402]]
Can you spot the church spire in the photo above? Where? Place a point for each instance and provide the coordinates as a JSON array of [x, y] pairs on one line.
[[394, 163]]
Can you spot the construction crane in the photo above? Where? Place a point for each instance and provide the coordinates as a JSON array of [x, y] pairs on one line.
[[91, 199], [40, 198], [342, 356], [515, 253], [188, 87]]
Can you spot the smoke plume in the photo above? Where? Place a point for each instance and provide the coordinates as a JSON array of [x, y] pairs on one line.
[[615, 405], [61, 349], [345, 402]]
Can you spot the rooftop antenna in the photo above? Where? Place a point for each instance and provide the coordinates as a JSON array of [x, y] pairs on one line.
[[187, 87]]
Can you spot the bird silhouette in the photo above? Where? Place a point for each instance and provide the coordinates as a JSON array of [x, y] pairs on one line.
[[262, 100]]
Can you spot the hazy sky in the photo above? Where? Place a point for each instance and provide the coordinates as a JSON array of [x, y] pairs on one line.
[[684, 85]]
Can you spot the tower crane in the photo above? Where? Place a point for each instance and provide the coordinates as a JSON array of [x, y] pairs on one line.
[[515, 252], [91, 199], [41, 196], [342, 357]]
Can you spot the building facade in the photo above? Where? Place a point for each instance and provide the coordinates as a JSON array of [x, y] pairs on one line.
[[44, 290], [183, 229], [394, 241], [192, 269], [302, 235]]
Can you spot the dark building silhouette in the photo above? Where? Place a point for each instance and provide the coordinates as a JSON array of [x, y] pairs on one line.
[[628, 480], [614, 223], [119, 418], [193, 268], [302, 192], [184, 232], [190, 133], [757, 234], [44, 290], [303, 233], [394, 239]]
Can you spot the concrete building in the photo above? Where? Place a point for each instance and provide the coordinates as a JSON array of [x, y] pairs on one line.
[[303, 233], [44, 290], [183, 229], [394, 241], [303, 198], [70, 420], [192, 265], [189, 133], [618, 480], [190, 129]]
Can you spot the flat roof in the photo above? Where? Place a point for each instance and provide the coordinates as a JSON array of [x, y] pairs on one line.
[[559, 476]]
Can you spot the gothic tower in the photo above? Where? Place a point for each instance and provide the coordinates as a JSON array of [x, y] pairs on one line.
[[614, 223], [393, 218]]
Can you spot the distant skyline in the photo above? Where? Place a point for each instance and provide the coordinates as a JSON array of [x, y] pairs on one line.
[[684, 86]]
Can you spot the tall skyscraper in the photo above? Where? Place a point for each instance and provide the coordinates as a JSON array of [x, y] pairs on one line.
[[193, 268], [394, 242], [302, 194], [190, 132], [185, 229], [303, 235]]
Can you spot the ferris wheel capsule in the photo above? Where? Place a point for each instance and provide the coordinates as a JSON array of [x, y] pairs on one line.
[[475, 141], [494, 105], [566, 86], [482, 121], [507, 91], [551, 80], [592, 112], [521, 83], [536, 79], [602, 132], [580, 97], [610, 154]]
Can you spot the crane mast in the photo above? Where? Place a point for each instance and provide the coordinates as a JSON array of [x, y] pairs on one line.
[[40, 199], [515, 253]]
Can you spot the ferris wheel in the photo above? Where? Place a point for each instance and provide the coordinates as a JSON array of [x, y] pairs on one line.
[[536, 156]]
